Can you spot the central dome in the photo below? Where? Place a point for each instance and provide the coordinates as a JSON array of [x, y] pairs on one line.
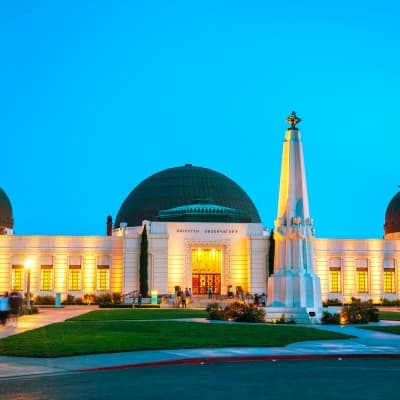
[[6, 216], [182, 186]]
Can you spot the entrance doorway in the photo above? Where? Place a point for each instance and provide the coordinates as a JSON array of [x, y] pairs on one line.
[[206, 270]]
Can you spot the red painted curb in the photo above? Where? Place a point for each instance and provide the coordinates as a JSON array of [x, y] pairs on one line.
[[209, 360]]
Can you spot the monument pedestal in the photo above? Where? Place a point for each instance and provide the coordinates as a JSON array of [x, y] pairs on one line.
[[290, 314], [294, 295]]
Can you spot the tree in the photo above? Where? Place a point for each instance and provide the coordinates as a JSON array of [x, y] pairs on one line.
[[143, 264], [271, 257]]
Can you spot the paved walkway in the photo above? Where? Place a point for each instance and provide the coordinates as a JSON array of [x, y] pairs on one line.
[[365, 344]]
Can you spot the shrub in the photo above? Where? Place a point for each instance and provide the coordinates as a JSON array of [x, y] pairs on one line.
[[333, 302], [284, 320], [237, 311], [45, 300], [328, 318], [72, 300], [387, 302], [147, 305], [357, 312], [89, 298], [215, 311], [116, 297], [234, 311], [252, 314]]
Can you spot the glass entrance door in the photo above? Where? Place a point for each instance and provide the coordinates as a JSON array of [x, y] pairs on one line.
[[201, 283], [206, 270]]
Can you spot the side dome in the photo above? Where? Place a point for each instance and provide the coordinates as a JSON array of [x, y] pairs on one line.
[[6, 216], [392, 218], [182, 186]]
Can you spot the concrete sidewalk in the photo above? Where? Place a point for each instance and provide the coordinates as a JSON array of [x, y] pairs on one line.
[[365, 344]]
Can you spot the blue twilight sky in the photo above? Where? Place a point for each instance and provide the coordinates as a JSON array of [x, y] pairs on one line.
[[96, 96]]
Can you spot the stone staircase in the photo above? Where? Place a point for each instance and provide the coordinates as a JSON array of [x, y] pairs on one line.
[[199, 301]]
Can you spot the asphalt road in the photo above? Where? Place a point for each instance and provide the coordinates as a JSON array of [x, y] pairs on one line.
[[353, 379]]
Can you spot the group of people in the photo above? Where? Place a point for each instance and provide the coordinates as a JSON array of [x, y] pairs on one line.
[[184, 297], [260, 300], [10, 308]]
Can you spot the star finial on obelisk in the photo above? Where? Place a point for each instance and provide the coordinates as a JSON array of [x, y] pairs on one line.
[[293, 120]]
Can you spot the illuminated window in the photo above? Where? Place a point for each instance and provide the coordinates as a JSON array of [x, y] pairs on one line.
[[362, 280], [335, 279], [74, 279], [17, 277], [389, 280], [46, 277], [103, 277]]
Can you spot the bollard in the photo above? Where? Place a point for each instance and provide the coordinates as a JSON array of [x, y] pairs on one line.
[[58, 300]]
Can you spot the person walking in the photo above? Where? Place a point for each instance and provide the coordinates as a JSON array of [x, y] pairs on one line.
[[183, 298], [263, 300], [4, 308], [14, 305], [210, 292]]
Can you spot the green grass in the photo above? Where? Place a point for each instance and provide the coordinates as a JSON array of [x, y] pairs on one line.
[[389, 315], [90, 337], [388, 329], [140, 314]]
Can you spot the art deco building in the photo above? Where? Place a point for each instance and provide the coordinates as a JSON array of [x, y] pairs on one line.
[[203, 231]]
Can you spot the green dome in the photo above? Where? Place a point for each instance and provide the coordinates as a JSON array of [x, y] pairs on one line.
[[6, 216], [392, 216], [175, 187], [203, 211]]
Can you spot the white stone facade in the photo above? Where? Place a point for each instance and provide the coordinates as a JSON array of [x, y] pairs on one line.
[[244, 249], [366, 268]]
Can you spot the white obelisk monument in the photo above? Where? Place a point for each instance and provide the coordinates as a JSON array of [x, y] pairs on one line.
[[294, 290]]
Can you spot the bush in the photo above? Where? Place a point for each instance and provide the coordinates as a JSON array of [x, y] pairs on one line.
[[215, 311], [332, 302], [89, 298], [103, 298], [45, 300], [284, 320], [70, 300], [357, 312], [147, 305], [331, 319], [252, 314], [390, 303], [236, 311]]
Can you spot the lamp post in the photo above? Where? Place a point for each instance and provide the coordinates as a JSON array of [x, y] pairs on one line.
[[28, 265]]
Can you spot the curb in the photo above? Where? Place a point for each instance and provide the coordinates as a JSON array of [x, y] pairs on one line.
[[213, 360]]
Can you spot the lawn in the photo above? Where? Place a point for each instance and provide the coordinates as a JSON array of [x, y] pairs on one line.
[[140, 314], [101, 332], [389, 315]]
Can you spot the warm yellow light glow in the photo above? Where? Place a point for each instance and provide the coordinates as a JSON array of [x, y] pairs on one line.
[[343, 319], [28, 263]]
